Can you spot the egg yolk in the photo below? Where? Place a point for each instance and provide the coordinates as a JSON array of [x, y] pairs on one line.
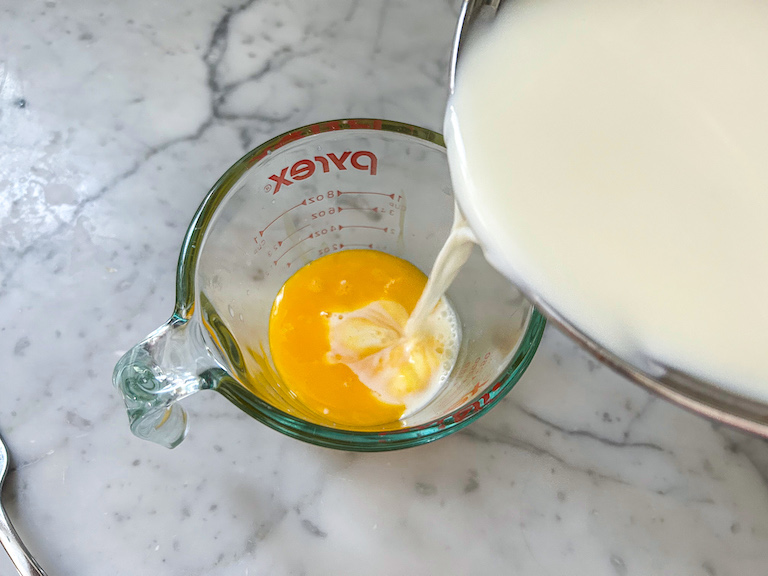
[[322, 292]]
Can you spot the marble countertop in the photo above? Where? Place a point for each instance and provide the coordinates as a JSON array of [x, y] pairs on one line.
[[115, 119]]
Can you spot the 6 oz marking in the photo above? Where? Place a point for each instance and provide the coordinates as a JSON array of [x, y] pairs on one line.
[[322, 213]]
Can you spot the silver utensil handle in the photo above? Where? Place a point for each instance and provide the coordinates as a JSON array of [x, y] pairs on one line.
[[20, 556]]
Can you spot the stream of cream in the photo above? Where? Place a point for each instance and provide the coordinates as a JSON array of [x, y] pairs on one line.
[[405, 359]]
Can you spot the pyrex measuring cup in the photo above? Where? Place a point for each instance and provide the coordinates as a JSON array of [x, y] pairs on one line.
[[339, 185]]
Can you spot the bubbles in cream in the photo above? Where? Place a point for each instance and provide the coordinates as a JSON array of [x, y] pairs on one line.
[[399, 368]]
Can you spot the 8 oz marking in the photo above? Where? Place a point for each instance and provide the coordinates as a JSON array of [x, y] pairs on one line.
[[321, 197]]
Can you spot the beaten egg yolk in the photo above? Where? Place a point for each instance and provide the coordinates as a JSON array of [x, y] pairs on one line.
[[337, 283]]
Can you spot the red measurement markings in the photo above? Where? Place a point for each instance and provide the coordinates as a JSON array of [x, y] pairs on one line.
[[369, 227], [291, 248], [477, 404], [340, 192], [342, 246], [261, 232]]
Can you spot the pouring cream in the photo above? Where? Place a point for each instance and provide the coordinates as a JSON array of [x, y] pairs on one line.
[[613, 158]]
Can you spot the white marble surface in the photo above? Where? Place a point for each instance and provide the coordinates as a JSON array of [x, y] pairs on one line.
[[115, 118]]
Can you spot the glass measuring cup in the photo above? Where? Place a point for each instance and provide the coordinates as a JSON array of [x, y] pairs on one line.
[[338, 185]]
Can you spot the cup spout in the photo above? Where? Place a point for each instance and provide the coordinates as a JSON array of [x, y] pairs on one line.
[[153, 376]]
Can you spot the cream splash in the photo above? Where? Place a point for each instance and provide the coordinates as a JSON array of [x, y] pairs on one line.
[[405, 359]]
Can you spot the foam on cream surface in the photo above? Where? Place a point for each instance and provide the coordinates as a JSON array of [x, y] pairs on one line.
[[400, 368]]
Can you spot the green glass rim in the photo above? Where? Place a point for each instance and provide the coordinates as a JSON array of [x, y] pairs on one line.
[[352, 440]]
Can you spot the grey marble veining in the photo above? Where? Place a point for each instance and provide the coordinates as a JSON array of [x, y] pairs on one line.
[[115, 119]]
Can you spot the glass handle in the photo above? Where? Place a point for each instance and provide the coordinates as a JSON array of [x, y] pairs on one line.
[[170, 364]]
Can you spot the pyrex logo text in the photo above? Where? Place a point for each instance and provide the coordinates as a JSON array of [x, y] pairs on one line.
[[303, 169]]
